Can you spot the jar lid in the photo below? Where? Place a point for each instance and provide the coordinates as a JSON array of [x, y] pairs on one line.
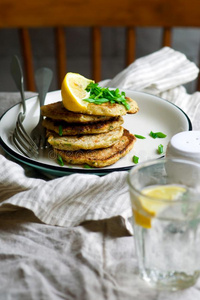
[[186, 143]]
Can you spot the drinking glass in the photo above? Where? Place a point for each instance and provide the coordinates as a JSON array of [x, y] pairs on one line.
[[165, 199]]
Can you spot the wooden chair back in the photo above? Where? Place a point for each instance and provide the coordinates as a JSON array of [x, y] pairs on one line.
[[95, 14]]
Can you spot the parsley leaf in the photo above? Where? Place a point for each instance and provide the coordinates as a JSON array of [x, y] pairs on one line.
[[135, 159], [99, 95], [159, 135], [87, 166], [60, 130], [139, 136], [160, 149], [60, 160]]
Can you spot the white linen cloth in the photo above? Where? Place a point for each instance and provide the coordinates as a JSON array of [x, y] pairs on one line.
[[163, 74], [93, 261], [66, 201], [70, 237], [157, 72]]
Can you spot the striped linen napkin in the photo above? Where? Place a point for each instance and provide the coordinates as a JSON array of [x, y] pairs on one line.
[[156, 72], [66, 201], [73, 199], [163, 74]]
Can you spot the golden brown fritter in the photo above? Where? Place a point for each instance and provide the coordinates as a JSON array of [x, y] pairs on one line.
[[58, 112], [94, 141], [94, 112], [101, 157], [64, 128], [112, 109]]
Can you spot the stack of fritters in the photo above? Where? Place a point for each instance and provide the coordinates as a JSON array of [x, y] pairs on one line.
[[96, 138]]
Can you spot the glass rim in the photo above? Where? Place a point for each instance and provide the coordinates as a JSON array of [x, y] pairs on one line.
[[156, 162]]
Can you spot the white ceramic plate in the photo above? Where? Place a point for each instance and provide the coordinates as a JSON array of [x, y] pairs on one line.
[[155, 115]]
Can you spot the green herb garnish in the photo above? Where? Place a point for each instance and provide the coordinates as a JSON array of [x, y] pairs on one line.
[[87, 166], [160, 149], [159, 135], [135, 159], [60, 128], [60, 160], [139, 136], [99, 95]]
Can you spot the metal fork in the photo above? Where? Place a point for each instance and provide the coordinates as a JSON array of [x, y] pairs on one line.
[[43, 78], [20, 137]]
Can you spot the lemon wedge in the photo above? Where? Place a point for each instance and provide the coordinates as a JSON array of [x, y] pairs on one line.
[[147, 208], [73, 92]]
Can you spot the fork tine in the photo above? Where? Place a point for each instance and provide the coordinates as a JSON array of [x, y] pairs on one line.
[[23, 147], [27, 137], [17, 145], [22, 141], [46, 144]]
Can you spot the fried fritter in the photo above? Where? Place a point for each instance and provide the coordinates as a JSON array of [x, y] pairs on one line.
[[112, 109], [94, 141], [94, 112], [58, 112], [101, 157], [86, 128]]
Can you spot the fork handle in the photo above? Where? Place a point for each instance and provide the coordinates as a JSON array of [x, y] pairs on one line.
[[43, 78], [17, 74]]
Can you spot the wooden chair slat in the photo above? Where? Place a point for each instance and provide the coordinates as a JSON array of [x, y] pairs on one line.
[[27, 58], [96, 14], [96, 53], [167, 36], [61, 53], [130, 45], [48, 13]]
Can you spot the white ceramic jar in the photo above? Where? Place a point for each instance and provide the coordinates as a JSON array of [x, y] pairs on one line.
[[185, 145]]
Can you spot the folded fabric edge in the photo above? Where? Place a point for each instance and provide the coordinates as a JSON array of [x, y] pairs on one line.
[[128, 78]]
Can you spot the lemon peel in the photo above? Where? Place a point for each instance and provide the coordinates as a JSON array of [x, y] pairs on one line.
[[73, 92]]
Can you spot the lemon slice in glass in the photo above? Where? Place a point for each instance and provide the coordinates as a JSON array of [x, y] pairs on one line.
[[73, 92], [150, 206]]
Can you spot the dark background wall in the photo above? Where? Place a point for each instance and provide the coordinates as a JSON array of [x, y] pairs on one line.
[[79, 50]]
